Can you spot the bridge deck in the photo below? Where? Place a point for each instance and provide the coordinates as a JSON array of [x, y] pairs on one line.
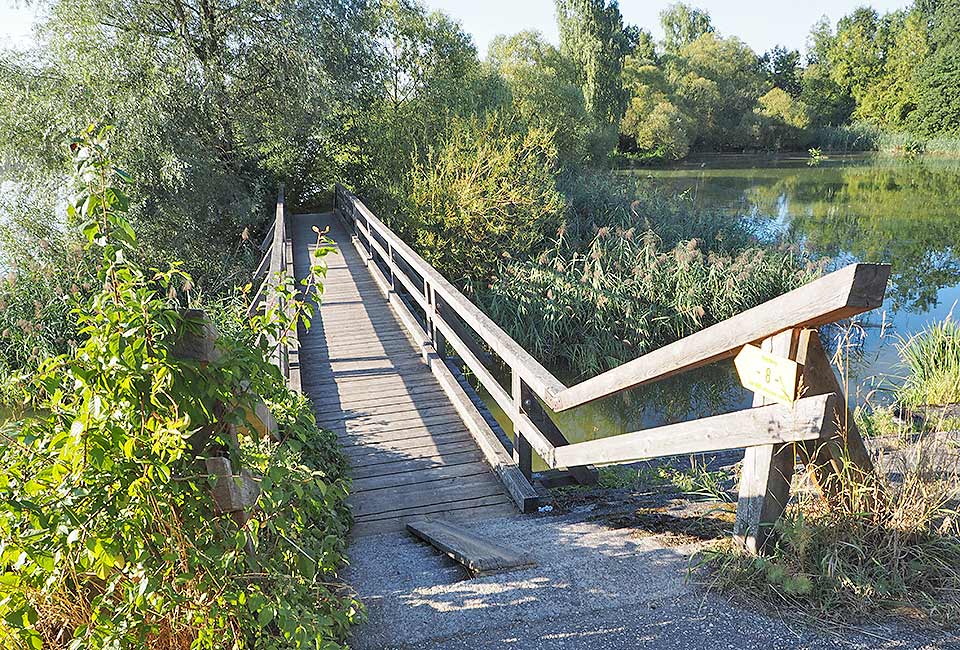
[[411, 454]]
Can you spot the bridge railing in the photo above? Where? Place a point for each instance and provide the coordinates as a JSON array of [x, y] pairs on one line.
[[818, 422], [274, 270]]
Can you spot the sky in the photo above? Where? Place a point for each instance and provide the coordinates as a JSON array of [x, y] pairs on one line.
[[762, 24], [15, 22]]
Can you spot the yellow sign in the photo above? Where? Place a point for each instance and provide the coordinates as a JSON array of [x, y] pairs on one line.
[[770, 375]]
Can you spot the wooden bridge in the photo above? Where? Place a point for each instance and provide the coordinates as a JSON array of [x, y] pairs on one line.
[[382, 364]]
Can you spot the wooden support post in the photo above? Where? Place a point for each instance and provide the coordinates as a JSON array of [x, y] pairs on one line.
[[767, 471], [584, 474], [840, 452], [391, 263], [439, 341], [522, 452]]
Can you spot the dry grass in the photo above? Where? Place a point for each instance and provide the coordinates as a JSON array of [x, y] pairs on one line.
[[894, 545]]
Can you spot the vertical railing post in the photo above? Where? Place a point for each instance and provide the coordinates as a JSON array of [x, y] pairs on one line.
[[439, 342], [429, 313], [767, 469], [522, 452], [390, 263]]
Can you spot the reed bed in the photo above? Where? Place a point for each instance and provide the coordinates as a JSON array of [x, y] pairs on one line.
[[605, 294], [932, 359]]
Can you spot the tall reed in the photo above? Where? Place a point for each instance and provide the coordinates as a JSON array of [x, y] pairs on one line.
[[932, 358]]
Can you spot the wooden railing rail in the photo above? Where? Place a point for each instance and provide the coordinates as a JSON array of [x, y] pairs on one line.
[[275, 268], [818, 422]]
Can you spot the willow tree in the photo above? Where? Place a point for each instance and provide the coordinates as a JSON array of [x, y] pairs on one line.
[[213, 102], [682, 25], [593, 37]]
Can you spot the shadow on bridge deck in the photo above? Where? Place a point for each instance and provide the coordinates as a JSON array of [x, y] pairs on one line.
[[411, 454]]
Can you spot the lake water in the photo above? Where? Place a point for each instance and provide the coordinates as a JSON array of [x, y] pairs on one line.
[[848, 208]]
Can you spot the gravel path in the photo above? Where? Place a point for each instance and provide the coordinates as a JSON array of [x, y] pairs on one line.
[[598, 584]]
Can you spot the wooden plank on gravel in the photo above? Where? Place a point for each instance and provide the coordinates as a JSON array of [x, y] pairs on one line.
[[481, 555], [380, 526]]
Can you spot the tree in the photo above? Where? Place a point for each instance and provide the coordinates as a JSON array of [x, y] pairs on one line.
[[856, 52], [717, 82], [487, 192], [819, 41], [891, 99], [938, 91], [657, 127], [829, 104], [782, 67], [783, 120], [426, 72], [214, 101], [593, 37], [682, 25], [543, 92]]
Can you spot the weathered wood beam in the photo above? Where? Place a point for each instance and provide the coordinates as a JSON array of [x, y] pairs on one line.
[[767, 469], [840, 452], [851, 290], [757, 426]]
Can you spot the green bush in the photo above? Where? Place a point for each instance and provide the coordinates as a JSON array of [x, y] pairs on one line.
[[109, 537], [487, 193], [43, 272]]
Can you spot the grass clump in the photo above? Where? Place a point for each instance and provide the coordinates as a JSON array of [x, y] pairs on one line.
[[932, 359], [894, 545]]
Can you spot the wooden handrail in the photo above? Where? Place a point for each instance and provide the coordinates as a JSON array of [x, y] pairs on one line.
[[852, 290], [277, 261]]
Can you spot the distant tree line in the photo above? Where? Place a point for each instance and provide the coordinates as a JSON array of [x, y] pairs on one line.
[[698, 90]]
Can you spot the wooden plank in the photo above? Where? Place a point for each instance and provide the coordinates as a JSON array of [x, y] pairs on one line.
[[404, 465], [384, 407], [425, 445], [447, 507], [470, 513], [424, 477], [767, 470], [374, 434], [372, 393], [758, 426], [481, 555], [440, 451], [380, 502]]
